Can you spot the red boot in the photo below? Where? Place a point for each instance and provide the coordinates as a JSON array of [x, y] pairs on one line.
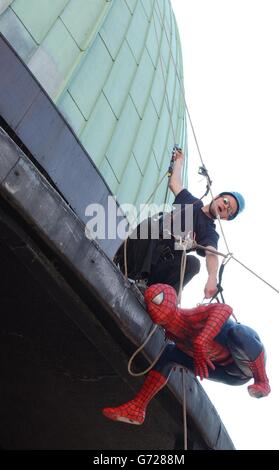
[[261, 386], [133, 411]]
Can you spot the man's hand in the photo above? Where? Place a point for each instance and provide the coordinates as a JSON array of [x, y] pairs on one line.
[[175, 181], [201, 361], [210, 287], [178, 155]]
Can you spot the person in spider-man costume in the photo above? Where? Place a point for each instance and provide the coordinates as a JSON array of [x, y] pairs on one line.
[[204, 340]]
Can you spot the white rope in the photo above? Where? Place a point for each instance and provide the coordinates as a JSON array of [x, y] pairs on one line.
[[138, 374], [184, 244], [231, 256], [125, 259], [166, 97], [255, 274], [182, 273], [192, 128], [184, 409]]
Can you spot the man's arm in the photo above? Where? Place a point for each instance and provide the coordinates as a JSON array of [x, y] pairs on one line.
[[212, 265], [175, 181]]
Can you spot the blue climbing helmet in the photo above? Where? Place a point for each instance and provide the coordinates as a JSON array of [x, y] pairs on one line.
[[240, 202]]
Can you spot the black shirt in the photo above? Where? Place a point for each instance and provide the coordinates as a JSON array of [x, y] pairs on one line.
[[204, 228]]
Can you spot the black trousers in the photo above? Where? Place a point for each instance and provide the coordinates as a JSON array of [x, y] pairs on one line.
[[167, 271], [154, 261]]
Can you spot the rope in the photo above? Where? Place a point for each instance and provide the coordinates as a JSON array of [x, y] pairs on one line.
[[184, 408], [163, 75], [231, 256], [166, 97], [184, 245], [255, 274], [138, 374], [125, 259], [203, 171], [182, 272], [219, 285], [192, 128]]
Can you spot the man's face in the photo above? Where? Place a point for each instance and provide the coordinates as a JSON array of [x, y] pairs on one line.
[[225, 205]]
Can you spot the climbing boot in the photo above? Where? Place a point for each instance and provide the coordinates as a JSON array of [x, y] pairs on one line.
[[133, 411]]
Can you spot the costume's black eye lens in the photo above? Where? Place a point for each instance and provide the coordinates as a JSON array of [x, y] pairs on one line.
[[158, 299], [226, 201]]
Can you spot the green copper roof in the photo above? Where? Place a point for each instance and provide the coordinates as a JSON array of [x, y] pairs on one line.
[[112, 68]]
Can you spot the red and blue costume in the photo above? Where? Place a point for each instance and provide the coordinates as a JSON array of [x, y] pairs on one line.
[[204, 340]]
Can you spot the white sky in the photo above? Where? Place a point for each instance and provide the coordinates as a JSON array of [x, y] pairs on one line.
[[230, 55]]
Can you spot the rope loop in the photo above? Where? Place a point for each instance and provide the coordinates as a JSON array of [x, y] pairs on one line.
[[138, 374]]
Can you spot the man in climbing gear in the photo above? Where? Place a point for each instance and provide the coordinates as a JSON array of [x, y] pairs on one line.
[[204, 340], [153, 261], [227, 205]]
